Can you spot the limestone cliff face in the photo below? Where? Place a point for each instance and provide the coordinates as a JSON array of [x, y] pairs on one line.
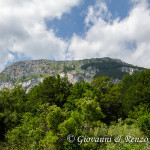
[[129, 70], [30, 72]]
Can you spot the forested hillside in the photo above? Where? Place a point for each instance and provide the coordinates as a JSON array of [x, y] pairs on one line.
[[59, 115], [30, 72]]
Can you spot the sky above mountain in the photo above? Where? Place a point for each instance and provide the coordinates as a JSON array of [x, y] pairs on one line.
[[75, 29]]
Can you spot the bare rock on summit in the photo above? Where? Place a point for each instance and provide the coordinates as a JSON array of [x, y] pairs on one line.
[[29, 73]]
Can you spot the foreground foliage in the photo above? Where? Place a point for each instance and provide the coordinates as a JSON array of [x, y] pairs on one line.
[[54, 109]]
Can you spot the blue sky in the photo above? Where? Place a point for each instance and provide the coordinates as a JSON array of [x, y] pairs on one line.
[[76, 29], [74, 22]]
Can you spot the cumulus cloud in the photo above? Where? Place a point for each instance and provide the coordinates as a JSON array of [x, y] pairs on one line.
[[23, 30], [40, 44], [5, 57], [99, 10], [127, 39]]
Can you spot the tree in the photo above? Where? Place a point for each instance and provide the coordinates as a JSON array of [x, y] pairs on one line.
[[77, 92], [12, 107], [135, 91], [52, 90]]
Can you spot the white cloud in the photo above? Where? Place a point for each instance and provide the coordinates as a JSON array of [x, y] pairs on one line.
[[41, 44], [23, 31], [99, 10], [127, 39], [5, 57]]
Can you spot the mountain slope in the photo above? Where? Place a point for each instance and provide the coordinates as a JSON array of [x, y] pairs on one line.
[[28, 73]]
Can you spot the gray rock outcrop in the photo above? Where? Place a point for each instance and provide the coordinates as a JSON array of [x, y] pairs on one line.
[[30, 72]]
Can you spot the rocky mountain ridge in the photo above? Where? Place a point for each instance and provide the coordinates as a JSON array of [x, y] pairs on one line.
[[30, 72]]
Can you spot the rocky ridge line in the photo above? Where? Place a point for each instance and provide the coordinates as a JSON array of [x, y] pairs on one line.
[[30, 73]]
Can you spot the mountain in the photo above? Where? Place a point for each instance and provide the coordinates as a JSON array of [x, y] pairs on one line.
[[30, 72]]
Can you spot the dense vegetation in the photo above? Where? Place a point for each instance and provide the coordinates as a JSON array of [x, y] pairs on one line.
[[54, 109], [110, 69]]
